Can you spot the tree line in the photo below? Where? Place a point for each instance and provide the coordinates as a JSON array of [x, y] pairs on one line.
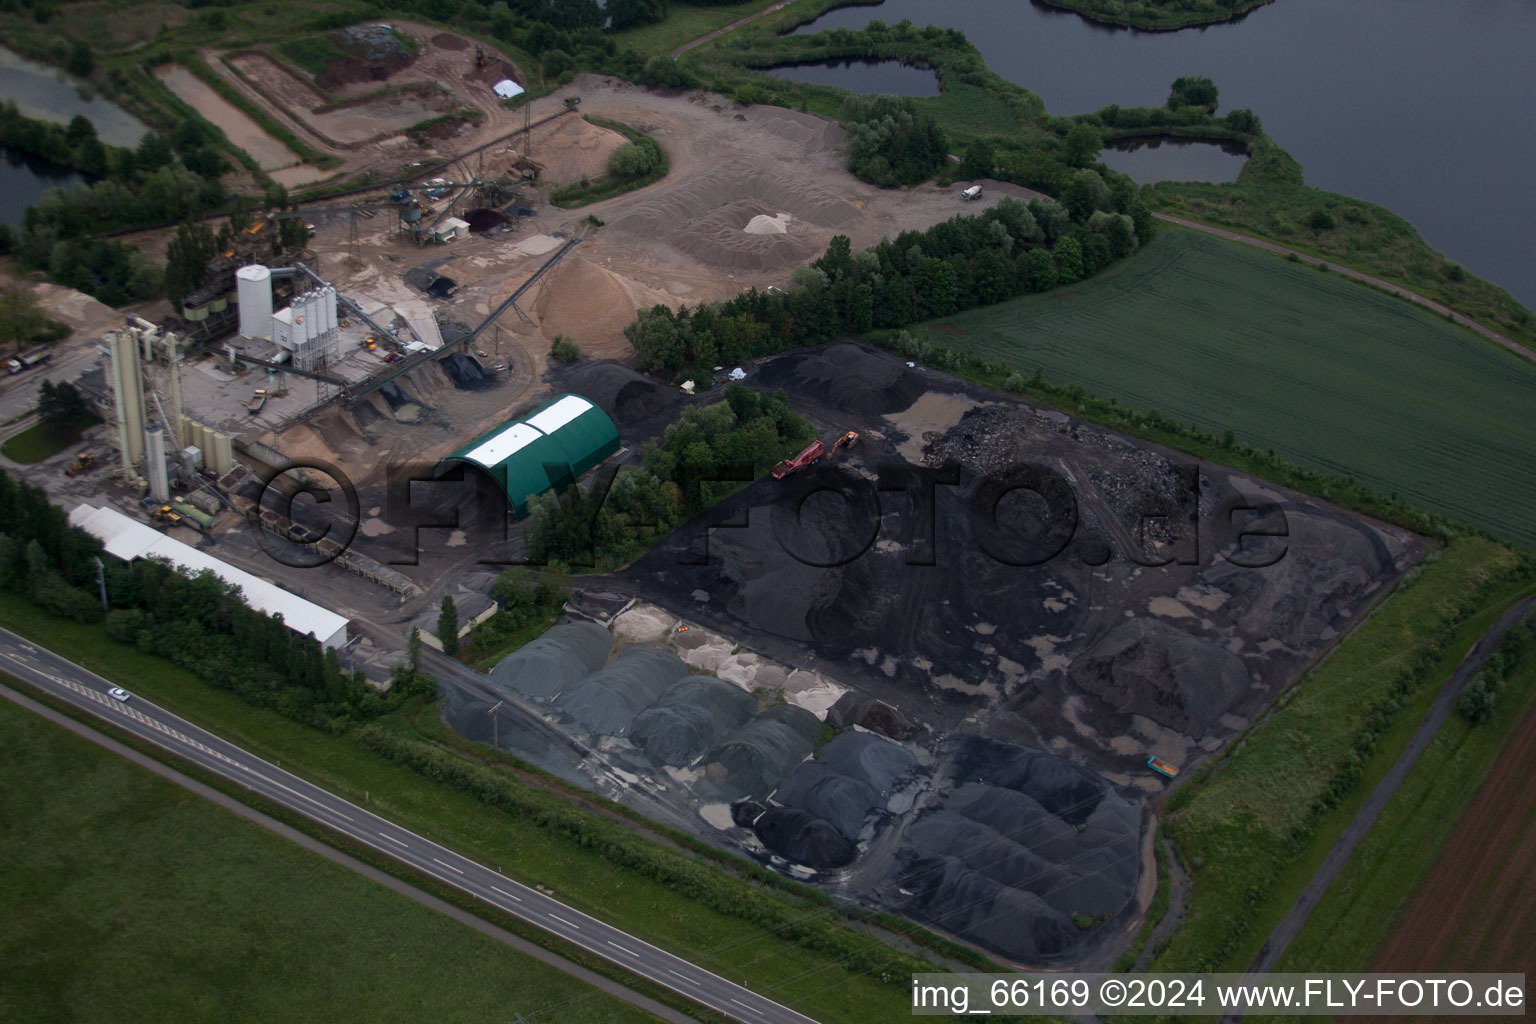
[[1010, 249], [196, 621]]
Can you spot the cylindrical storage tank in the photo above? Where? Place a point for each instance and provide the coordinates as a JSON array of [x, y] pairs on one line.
[[223, 454], [253, 286], [330, 308], [314, 315], [218, 305], [196, 314]]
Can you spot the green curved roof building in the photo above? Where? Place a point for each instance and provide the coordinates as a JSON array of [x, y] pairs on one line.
[[555, 443]]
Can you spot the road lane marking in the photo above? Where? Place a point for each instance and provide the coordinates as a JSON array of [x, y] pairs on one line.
[[754, 1009], [445, 864], [563, 921], [684, 977], [392, 839], [515, 899], [631, 952]]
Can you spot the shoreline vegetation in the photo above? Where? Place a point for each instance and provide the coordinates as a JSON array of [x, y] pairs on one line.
[[1157, 15]]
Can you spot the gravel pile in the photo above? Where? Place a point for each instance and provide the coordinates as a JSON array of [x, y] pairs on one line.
[[556, 661], [607, 701], [753, 760], [803, 838], [692, 716], [846, 375]]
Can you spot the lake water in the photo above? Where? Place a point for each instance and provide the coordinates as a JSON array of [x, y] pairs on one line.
[[1418, 105], [23, 180], [45, 94], [1152, 160], [883, 76]]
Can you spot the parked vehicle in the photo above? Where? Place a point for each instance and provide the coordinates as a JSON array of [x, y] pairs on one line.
[[27, 360]]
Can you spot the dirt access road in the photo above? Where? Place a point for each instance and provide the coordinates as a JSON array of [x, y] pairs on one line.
[[1355, 275], [1474, 835], [710, 37]]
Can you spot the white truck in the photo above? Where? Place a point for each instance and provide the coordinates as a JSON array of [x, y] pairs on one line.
[[974, 192]]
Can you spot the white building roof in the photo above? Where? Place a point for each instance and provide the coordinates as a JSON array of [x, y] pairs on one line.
[[126, 538], [559, 414], [506, 89], [496, 448]]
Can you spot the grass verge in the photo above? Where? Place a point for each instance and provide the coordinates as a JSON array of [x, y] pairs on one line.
[[827, 987], [1253, 825], [1360, 909], [129, 897]]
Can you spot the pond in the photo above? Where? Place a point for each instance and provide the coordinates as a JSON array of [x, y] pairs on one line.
[[1417, 105], [1149, 160], [23, 180], [46, 94], [868, 76]]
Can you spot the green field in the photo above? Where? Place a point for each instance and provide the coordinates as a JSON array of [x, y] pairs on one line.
[[40, 441], [127, 897], [1244, 826], [830, 989], [683, 24], [1325, 372]]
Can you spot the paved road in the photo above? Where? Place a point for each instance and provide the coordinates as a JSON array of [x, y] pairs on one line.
[[70, 682], [1285, 932], [1387, 286]]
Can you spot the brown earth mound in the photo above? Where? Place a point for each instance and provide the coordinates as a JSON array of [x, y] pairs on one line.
[[590, 304], [572, 148]]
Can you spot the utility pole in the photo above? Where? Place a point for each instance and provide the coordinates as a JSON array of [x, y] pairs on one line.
[[496, 726]]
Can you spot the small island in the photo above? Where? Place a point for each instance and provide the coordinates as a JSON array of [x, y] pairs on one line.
[[1158, 15]]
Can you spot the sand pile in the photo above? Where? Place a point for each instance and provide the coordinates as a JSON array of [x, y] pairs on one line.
[[763, 224], [572, 148], [704, 216], [590, 304]]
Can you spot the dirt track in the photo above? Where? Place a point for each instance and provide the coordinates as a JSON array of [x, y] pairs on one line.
[[1476, 911]]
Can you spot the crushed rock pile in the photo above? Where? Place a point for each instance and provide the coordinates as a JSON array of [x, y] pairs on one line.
[[556, 661], [607, 701], [1023, 842], [846, 375], [688, 719], [751, 761]]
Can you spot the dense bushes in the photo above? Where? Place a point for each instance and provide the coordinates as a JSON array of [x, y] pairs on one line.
[[892, 141], [707, 453], [1481, 695]]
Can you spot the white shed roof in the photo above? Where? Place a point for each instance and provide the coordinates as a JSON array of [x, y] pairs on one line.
[[506, 89], [126, 538], [496, 449]]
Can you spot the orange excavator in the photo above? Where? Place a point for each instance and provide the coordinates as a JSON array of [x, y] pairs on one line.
[[848, 440]]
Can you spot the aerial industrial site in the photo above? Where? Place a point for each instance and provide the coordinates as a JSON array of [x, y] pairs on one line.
[[959, 672]]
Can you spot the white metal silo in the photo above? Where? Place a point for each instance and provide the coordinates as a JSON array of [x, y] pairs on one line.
[[253, 288], [330, 307]]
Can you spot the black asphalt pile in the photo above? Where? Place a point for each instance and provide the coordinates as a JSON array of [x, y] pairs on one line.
[[692, 716], [466, 372], [1147, 667], [803, 838], [845, 375], [626, 396], [876, 762], [541, 669], [607, 701], [753, 760], [1022, 844], [1327, 562], [854, 708], [830, 796]]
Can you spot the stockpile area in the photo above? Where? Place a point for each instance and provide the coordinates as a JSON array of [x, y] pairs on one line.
[[708, 216], [689, 718], [1016, 845]]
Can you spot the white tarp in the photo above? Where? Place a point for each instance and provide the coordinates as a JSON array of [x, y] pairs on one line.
[[127, 538], [506, 89]]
